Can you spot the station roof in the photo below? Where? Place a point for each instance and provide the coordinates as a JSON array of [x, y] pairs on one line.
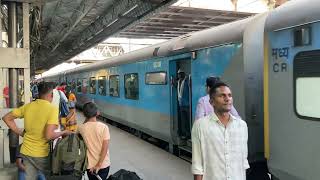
[[176, 21], [61, 29]]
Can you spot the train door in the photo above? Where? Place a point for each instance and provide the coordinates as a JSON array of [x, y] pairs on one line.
[[180, 74]]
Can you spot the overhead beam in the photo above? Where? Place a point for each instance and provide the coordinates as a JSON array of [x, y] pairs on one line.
[[144, 37], [152, 34], [203, 11], [76, 17], [164, 27], [175, 24], [192, 15], [189, 20], [157, 31]]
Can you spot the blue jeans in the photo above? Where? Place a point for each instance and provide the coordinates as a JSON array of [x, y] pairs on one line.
[[22, 175], [36, 167]]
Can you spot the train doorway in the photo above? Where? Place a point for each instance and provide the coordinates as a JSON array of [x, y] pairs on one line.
[[181, 94]]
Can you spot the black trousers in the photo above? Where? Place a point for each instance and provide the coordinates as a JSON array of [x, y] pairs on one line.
[[184, 121], [103, 173], [13, 153]]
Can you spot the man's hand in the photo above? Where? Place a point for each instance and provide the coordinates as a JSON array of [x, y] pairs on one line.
[[96, 168], [67, 132], [21, 132]]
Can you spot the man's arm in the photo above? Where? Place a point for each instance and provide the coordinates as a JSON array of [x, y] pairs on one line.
[[51, 134], [9, 120], [197, 167], [197, 177], [20, 164], [104, 150]]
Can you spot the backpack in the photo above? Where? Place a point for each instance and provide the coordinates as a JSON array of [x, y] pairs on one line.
[[70, 156], [123, 174], [63, 106]]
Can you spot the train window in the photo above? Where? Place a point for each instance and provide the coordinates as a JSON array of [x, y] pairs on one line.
[[84, 85], [114, 85], [73, 85], [302, 36], [79, 85], [131, 86], [102, 85], [307, 84], [92, 85], [156, 78]]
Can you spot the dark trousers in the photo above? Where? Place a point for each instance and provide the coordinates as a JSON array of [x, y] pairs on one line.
[[103, 173], [184, 122], [13, 153]]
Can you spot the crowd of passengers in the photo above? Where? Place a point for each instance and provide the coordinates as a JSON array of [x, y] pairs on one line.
[[219, 135]]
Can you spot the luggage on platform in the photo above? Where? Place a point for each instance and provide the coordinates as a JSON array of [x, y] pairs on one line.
[[69, 158], [123, 174]]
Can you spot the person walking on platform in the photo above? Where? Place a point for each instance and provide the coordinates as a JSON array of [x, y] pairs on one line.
[[96, 136], [204, 108], [184, 104], [40, 122], [219, 140]]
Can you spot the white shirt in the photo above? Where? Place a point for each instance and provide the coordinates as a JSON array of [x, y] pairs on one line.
[[219, 152], [56, 97]]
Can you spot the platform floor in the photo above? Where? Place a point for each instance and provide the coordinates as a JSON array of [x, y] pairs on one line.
[[130, 153]]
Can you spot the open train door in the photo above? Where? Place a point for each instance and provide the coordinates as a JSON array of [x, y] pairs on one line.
[[181, 96]]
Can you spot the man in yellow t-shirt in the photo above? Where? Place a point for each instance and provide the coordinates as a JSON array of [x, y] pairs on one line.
[[40, 122]]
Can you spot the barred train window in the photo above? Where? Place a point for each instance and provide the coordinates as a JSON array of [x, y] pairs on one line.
[[114, 86], [156, 78], [307, 84], [73, 85], [79, 85], [84, 86], [92, 85], [102, 85], [131, 86]]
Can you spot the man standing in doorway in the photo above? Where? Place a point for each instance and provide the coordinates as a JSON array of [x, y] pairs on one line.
[[219, 140], [184, 104]]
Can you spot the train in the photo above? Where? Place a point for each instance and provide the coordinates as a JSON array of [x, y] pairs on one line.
[[271, 62]]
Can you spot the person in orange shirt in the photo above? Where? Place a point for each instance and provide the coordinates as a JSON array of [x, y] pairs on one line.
[[96, 136]]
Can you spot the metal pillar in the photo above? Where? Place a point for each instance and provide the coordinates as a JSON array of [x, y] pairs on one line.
[[26, 45], [13, 77], [13, 72]]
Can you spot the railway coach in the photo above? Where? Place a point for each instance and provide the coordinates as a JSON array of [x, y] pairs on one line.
[[271, 61]]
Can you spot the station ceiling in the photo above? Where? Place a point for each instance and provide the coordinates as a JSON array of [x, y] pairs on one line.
[[61, 29], [176, 21]]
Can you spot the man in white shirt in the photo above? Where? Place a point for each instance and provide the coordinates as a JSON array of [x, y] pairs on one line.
[[57, 94], [219, 141]]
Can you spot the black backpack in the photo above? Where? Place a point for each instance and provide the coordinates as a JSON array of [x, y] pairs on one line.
[[123, 174]]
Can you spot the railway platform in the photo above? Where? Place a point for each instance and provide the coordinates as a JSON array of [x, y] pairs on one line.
[[126, 152]]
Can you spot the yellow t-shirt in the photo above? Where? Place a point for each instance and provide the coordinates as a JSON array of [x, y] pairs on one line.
[[37, 115]]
